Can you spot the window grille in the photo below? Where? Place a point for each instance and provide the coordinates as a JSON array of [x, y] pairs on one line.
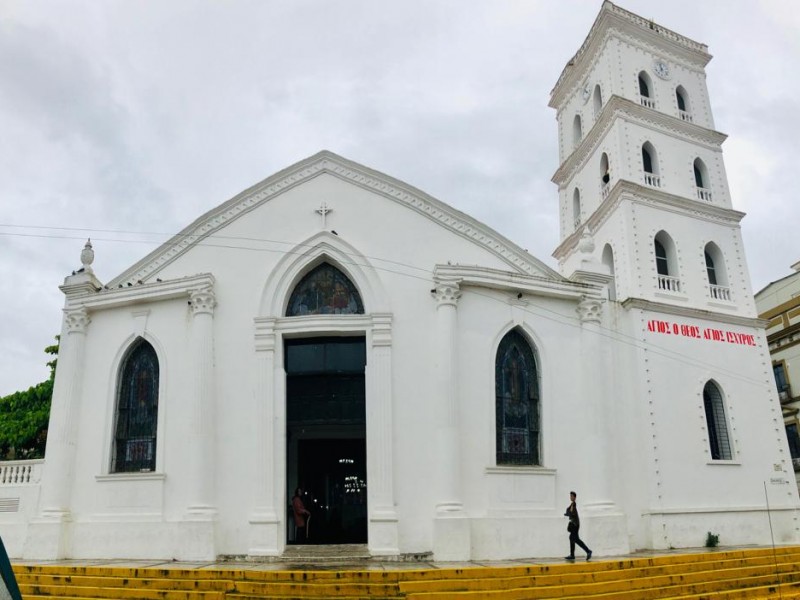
[[137, 411], [516, 402], [718, 438]]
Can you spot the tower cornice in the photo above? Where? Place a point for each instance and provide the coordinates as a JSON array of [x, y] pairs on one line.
[[619, 107], [625, 190], [610, 17]]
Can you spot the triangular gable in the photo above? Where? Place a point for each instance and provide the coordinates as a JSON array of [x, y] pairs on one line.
[[330, 163]]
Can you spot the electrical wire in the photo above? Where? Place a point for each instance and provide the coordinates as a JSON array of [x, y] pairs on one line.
[[612, 334]]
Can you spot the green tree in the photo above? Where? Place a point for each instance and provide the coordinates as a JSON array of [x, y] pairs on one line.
[[24, 417]]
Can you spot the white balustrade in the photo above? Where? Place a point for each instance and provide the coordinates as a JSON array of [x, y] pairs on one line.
[[20, 472], [648, 102], [685, 116], [720, 292], [704, 194], [669, 284], [652, 180]]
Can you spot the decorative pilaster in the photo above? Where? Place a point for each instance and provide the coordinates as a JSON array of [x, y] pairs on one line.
[[49, 533], [266, 537], [451, 528], [201, 412], [597, 483], [383, 526], [64, 414]]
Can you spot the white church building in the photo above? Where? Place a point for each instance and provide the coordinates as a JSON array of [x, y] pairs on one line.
[[435, 389]]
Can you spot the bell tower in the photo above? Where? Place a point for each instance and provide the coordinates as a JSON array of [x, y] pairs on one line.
[[645, 209], [642, 169]]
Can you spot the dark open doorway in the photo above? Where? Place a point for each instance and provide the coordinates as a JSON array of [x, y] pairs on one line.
[[326, 437]]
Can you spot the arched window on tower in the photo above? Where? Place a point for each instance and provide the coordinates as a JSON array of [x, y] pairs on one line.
[[645, 87], [577, 131], [608, 260], [662, 264], [701, 180], [597, 101], [666, 263], [516, 401], [325, 290], [136, 419], [576, 208], [718, 438], [718, 287], [650, 165], [605, 175], [682, 98]]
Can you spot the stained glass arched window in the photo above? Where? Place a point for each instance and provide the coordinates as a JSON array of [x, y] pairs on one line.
[[137, 411], [516, 402], [325, 290]]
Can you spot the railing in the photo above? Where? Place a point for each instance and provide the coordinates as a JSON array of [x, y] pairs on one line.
[[605, 189], [652, 180], [720, 292], [21, 472], [704, 194], [685, 116], [648, 102], [669, 284]]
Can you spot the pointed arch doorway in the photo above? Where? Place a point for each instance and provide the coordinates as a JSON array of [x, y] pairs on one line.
[[326, 436]]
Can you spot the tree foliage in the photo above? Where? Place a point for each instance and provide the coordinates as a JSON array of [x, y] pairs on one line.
[[24, 417]]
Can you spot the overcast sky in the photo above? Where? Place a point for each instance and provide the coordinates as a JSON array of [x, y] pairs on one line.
[[125, 121]]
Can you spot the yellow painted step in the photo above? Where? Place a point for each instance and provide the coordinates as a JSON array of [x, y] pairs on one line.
[[649, 576], [115, 593], [42, 580], [619, 590], [317, 590]]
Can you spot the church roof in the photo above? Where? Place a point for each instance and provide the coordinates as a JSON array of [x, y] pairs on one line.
[[326, 162]]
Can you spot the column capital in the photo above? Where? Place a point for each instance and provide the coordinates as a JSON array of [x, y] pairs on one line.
[[76, 319], [446, 293], [203, 300], [590, 310]]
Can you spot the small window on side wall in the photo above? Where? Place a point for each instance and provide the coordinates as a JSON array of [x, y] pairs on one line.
[[718, 437]]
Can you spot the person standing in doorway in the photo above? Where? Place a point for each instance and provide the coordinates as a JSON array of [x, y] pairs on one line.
[[573, 527], [301, 516]]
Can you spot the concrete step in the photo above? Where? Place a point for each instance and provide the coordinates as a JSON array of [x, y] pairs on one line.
[[734, 574]]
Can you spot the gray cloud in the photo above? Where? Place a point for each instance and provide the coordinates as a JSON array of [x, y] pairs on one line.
[[139, 116]]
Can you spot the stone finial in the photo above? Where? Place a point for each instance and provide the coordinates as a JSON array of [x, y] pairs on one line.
[[87, 257]]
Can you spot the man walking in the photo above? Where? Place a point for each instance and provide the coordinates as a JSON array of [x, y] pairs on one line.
[[573, 526]]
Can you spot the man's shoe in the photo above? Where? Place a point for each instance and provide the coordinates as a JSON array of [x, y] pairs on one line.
[[569, 558], [588, 555]]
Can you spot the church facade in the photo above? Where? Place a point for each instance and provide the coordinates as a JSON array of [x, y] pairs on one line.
[[431, 386]]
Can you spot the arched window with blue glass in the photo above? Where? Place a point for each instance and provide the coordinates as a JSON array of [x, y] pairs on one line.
[[517, 401], [136, 421], [325, 290]]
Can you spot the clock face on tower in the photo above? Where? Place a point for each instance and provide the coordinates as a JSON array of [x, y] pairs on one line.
[[661, 68]]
